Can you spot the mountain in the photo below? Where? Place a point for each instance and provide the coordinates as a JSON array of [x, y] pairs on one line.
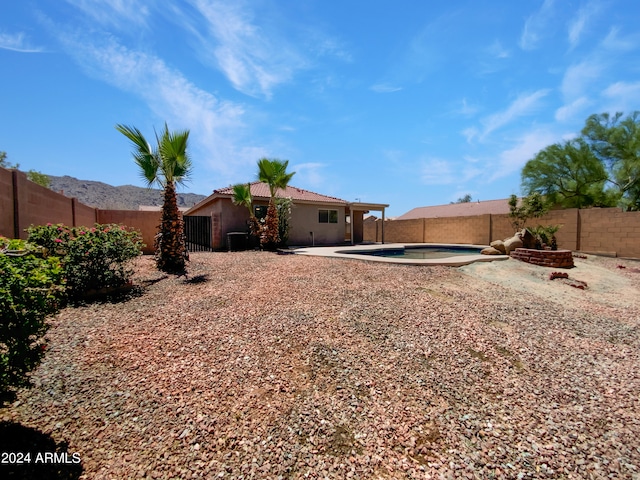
[[108, 197]]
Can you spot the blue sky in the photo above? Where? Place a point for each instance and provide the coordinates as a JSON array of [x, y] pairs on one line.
[[408, 103]]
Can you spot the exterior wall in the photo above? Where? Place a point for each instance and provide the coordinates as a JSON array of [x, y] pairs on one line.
[[409, 231], [6, 203], [304, 220], [567, 236], [357, 217], [609, 230], [146, 222], [470, 230], [370, 231], [83, 214]]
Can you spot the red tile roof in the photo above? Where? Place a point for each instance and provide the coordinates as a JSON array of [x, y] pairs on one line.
[[458, 210], [261, 190]]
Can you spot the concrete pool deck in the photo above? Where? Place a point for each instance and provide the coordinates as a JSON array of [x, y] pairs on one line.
[[352, 252]]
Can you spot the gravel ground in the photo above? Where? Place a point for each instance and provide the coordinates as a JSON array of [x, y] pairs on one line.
[[283, 366]]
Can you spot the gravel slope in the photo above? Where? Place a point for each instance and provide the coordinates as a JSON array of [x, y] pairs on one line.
[[268, 366]]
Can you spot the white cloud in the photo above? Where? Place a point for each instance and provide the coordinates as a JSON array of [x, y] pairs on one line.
[[614, 41], [254, 58], [309, 173], [216, 126], [385, 88], [536, 26], [436, 171], [114, 12], [525, 104], [17, 43], [567, 112], [527, 146], [578, 24], [622, 96], [578, 78], [496, 50]]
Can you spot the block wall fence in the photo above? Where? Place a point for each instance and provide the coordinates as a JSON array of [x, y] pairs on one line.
[[606, 231], [24, 203]]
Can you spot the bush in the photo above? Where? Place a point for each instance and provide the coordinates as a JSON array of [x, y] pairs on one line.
[[92, 258], [31, 288]]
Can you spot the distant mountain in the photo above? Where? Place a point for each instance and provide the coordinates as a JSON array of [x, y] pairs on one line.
[[108, 197]]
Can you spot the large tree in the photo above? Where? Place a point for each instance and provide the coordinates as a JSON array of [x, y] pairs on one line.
[[616, 142], [274, 173], [568, 174], [167, 164]]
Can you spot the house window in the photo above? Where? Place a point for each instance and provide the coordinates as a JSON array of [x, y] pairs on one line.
[[260, 211], [327, 216]]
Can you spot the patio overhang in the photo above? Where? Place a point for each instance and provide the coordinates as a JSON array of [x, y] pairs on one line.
[[365, 208]]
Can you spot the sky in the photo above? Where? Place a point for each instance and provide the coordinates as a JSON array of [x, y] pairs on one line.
[[407, 103]]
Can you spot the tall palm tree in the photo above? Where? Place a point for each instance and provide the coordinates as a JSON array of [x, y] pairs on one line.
[[167, 164], [274, 173], [242, 196]]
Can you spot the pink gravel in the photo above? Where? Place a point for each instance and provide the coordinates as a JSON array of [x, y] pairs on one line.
[[269, 366]]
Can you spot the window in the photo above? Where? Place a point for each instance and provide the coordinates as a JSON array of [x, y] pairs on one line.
[[260, 211], [327, 216]]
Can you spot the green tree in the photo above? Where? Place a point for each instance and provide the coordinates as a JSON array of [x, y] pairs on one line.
[[568, 174], [465, 199], [616, 142], [242, 196], [167, 164], [274, 173], [531, 206]]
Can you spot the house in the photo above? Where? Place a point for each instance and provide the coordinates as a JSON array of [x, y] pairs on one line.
[[467, 209], [315, 219]]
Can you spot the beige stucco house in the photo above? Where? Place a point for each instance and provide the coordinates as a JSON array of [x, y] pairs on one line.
[[315, 219]]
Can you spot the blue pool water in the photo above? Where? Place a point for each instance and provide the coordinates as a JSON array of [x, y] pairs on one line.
[[422, 252]]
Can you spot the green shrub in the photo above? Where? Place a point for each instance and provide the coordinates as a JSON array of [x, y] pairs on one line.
[[92, 258], [31, 288]]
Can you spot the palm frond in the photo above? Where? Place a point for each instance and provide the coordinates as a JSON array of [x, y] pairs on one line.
[[144, 155]]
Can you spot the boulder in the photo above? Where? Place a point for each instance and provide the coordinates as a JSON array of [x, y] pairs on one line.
[[491, 251], [498, 245], [512, 243], [528, 239]]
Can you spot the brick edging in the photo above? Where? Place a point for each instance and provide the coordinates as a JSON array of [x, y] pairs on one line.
[[544, 258]]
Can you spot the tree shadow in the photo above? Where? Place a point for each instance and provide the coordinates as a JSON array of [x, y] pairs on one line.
[[198, 279], [46, 459]]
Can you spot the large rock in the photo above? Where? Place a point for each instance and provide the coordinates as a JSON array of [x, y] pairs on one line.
[[498, 245], [528, 239], [491, 251], [511, 244]]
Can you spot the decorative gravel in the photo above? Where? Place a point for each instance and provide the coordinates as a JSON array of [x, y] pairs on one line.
[[282, 366]]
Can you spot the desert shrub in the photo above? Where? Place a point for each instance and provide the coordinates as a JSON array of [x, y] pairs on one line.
[[92, 258], [31, 287]]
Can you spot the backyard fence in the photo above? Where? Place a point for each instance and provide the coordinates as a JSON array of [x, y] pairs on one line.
[[197, 230], [606, 231]]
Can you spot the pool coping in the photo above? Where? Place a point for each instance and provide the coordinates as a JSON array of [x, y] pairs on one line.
[[455, 261]]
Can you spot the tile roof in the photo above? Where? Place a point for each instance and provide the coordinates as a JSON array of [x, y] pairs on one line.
[[458, 210], [261, 190]]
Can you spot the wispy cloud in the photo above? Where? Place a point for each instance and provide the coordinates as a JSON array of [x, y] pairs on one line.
[[616, 42], [384, 88], [523, 105], [571, 110], [436, 171], [114, 13], [216, 126], [578, 24], [309, 173], [579, 77], [253, 59], [622, 97], [526, 147], [537, 26], [497, 50], [17, 42]]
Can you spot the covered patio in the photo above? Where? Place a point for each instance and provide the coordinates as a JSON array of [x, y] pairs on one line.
[[356, 212]]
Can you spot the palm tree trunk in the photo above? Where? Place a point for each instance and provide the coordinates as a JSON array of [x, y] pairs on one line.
[[170, 241]]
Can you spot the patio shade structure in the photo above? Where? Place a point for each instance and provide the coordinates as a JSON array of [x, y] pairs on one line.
[[363, 208]]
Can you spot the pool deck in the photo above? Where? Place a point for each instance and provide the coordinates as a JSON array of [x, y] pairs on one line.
[[352, 253]]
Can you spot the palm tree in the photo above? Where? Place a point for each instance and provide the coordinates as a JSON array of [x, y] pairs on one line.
[[273, 172], [242, 196], [167, 164]]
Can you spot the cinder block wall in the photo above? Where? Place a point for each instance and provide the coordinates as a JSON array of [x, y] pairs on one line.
[[6, 203], [370, 231], [609, 230], [469, 230], [144, 221], [409, 231]]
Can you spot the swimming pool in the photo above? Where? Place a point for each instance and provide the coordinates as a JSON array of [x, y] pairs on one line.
[[453, 255], [423, 252]]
